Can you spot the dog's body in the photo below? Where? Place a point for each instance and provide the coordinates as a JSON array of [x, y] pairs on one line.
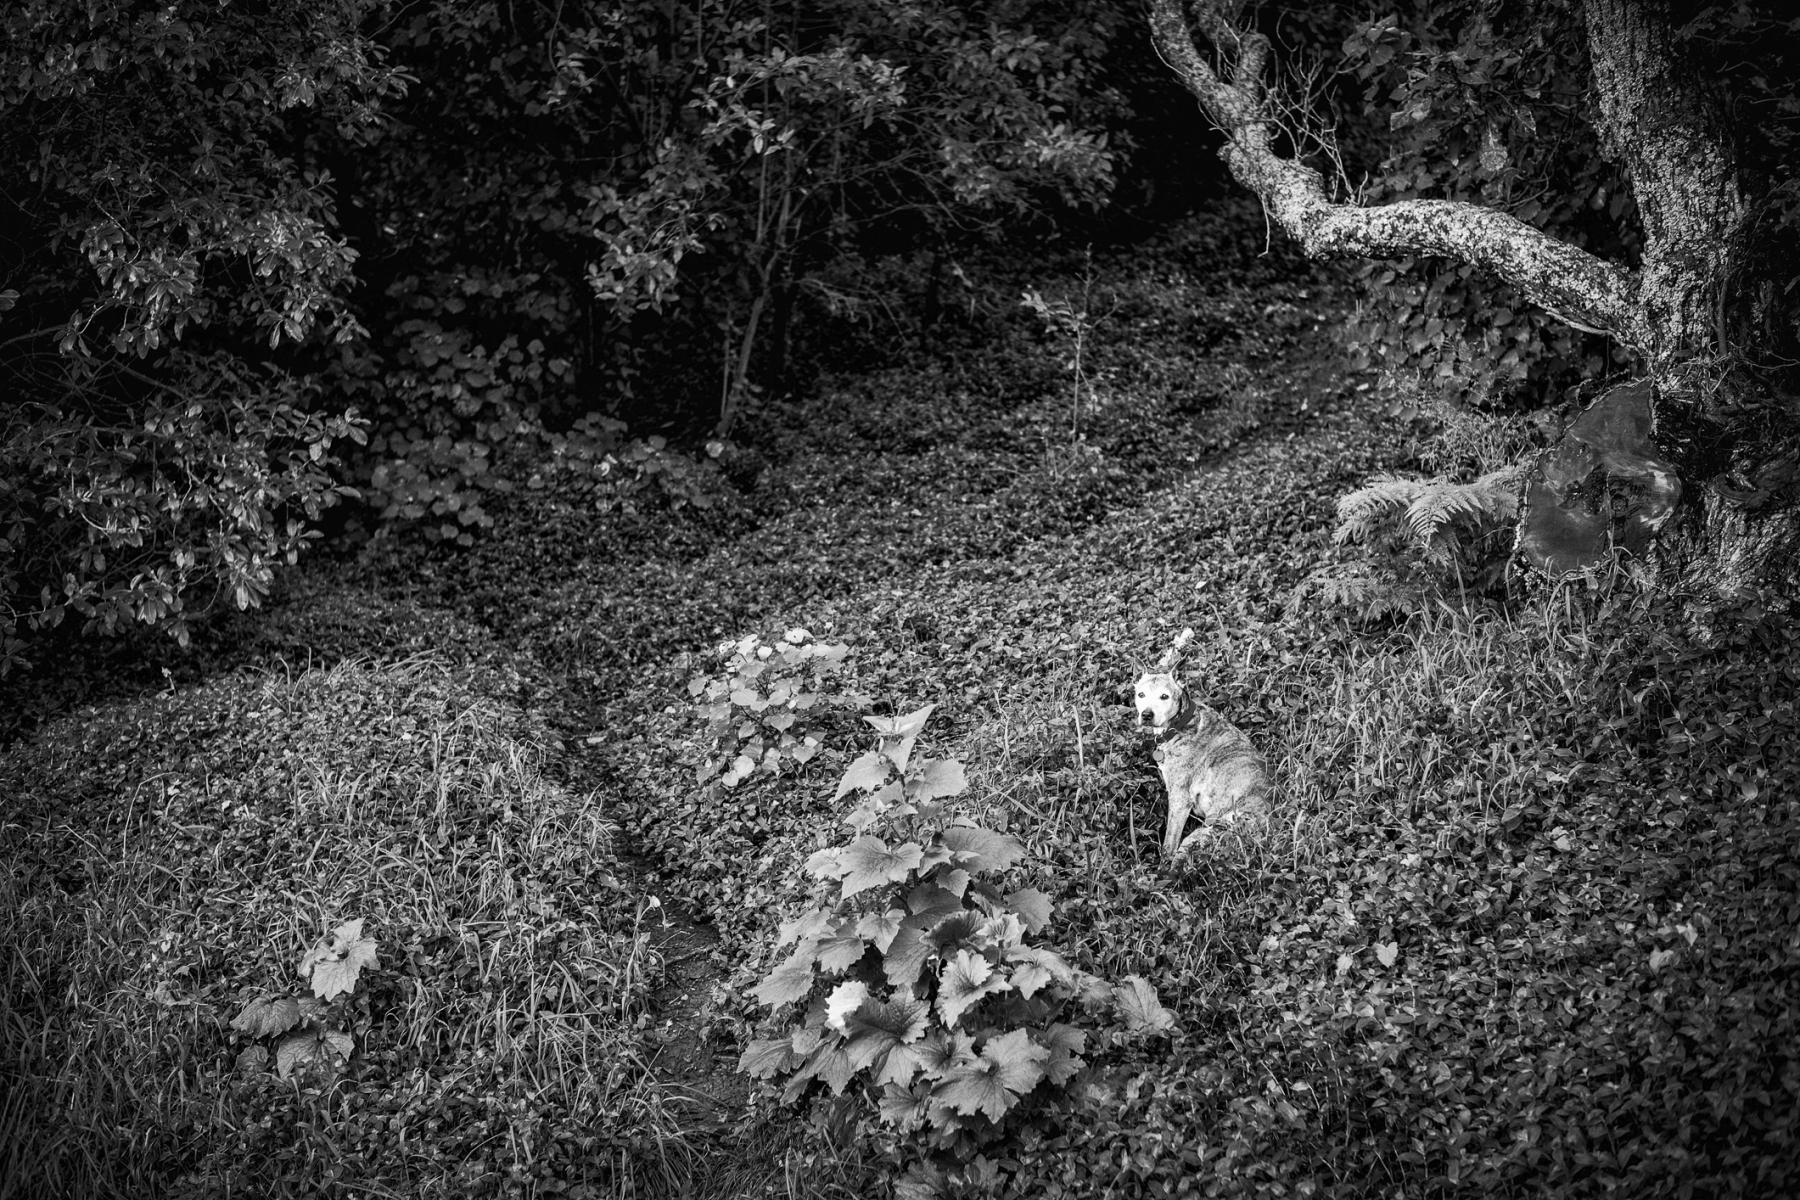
[[1208, 765]]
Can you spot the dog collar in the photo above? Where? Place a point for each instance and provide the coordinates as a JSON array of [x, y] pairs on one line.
[[1186, 716]]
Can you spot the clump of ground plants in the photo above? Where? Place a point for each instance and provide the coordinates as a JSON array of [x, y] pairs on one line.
[[919, 992]]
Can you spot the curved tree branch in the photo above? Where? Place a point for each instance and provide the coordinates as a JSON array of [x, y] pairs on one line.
[[1575, 286]]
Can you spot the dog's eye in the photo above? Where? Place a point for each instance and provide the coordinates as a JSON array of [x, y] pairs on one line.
[[1165, 696]]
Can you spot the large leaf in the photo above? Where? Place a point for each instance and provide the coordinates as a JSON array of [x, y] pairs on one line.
[[1035, 968], [1065, 1043], [905, 1107], [838, 954], [826, 864], [903, 1018], [1032, 906], [790, 981], [939, 778], [955, 881], [963, 981], [845, 999], [251, 1059], [899, 1065], [878, 1026], [1017, 1059], [899, 733], [312, 1050], [880, 928], [867, 773], [1009, 1066], [335, 963], [764, 1057], [939, 1051], [928, 904], [1002, 931], [904, 960], [1139, 1007], [981, 849], [953, 933], [936, 855], [828, 1062], [974, 1089], [810, 924], [869, 862], [267, 1016]]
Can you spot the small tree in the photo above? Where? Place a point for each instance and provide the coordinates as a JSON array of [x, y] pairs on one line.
[[163, 238], [1695, 463], [787, 138]]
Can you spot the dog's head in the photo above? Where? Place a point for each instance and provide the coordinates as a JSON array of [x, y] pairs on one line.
[[1158, 699]]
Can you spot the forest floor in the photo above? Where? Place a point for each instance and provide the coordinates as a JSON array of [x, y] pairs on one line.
[[1526, 924]]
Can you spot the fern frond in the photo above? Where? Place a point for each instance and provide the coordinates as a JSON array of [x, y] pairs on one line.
[[1362, 512], [1489, 501], [1367, 595], [1504, 484]]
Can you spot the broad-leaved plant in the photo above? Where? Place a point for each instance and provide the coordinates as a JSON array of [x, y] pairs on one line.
[[919, 987], [307, 1032]]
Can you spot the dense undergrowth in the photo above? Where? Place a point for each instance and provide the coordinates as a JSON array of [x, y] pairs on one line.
[[1525, 925], [174, 856]]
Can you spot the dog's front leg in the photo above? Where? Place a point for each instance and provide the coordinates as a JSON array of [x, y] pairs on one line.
[[1181, 806]]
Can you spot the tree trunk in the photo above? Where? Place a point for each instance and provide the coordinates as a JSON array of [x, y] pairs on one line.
[[1702, 422], [1736, 443]]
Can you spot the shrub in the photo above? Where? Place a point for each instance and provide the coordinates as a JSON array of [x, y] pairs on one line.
[[164, 239], [922, 993], [1472, 103], [453, 410], [308, 1032]]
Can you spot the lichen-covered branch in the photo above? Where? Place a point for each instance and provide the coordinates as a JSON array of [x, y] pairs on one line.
[[1574, 285]]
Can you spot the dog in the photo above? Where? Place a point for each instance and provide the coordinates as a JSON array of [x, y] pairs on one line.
[[1209, 767]]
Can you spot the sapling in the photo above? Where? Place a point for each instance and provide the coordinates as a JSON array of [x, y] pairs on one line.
[[1075, 322]]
